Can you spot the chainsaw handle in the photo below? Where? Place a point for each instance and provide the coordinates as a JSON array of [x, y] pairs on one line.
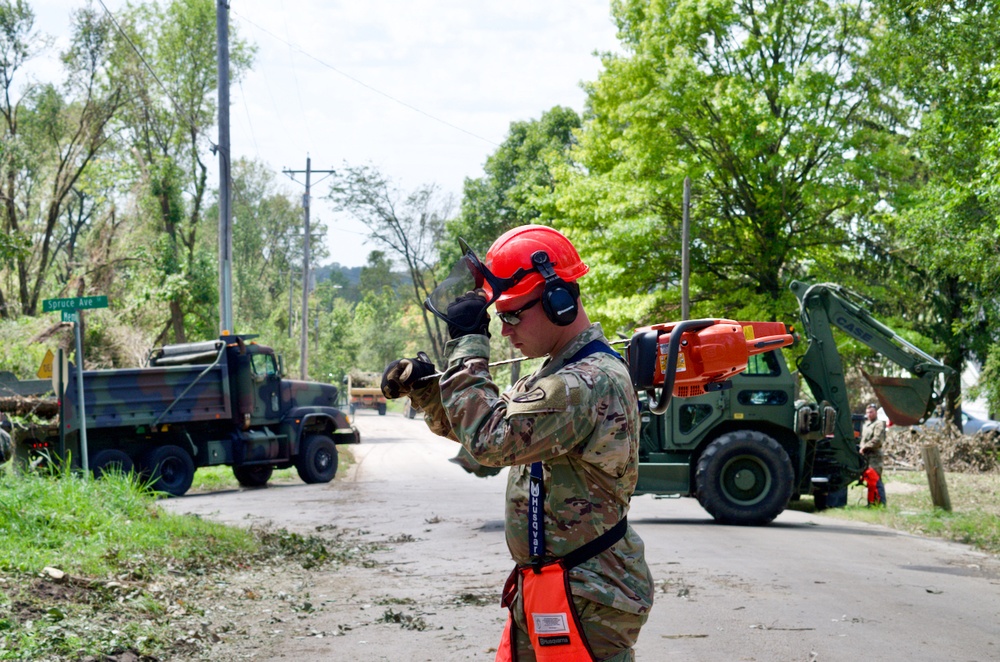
[[670, 371]]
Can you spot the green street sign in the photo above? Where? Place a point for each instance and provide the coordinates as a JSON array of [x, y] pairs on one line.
[[70, 316], [74, 303]]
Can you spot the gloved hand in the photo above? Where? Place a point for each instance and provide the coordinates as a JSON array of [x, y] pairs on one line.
[[465, 311], [401, 375]]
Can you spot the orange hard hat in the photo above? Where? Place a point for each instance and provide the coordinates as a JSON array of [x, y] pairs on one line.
[[513, 251]]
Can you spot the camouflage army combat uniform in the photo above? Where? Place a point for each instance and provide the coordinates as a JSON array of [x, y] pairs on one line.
[[872, 439], [581, 421]]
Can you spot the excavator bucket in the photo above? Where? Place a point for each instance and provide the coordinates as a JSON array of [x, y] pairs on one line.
[[904, 399]]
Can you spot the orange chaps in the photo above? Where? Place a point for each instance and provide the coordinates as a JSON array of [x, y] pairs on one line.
[[553, 625]]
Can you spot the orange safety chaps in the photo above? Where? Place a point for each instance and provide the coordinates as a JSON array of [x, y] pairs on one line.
[[553, 624]]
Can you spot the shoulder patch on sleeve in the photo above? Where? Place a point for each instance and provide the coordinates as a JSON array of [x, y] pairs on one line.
[[554, 393]]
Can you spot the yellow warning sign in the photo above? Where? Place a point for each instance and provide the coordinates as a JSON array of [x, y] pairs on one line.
[[45, 370]]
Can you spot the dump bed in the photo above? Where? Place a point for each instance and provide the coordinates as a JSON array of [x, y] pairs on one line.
[[157, 395]]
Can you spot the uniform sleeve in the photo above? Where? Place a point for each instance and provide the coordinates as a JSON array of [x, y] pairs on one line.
[[523, 426], [428, 398]]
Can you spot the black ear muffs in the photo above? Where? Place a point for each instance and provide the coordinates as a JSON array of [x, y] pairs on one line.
[[558, 297]]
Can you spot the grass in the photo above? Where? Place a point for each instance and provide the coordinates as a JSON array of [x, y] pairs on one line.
[[973, 520], [94, 568], [218, 478]]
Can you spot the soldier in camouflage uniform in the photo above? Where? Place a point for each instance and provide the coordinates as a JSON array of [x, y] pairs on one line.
[[872, 440], [578, 415]]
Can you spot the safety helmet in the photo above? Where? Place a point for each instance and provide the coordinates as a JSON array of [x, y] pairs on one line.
[[514, 249]]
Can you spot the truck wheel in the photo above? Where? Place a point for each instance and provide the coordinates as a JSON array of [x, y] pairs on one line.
[[744, 477], [381, 409], [317, 460], [254, 475], [110, 460], [170, 468]]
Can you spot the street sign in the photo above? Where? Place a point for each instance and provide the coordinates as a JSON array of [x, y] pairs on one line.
[[71, 316], [74, 303]]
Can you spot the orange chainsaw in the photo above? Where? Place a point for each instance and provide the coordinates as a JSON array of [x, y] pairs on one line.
[[696, 356]]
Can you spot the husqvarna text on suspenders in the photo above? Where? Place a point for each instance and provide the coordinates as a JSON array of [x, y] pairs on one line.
[[554, 627]]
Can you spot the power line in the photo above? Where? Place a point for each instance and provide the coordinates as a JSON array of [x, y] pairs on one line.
[[365, 85]]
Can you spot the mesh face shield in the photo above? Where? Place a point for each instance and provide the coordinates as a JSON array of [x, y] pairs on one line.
[[468, 275]]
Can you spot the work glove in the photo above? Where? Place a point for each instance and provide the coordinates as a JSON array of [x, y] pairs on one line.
[[401, 375], [468, 312]]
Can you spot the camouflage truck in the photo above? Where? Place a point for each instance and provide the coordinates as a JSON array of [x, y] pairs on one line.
[[220, 402]]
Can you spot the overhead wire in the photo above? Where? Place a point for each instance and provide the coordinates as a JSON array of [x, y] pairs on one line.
[[364, 84]]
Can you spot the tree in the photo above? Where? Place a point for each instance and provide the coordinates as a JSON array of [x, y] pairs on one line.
[[267, 244], [51, 138], [517, 181], [943, 57], [167, 124], [407, 225], [767, 106]]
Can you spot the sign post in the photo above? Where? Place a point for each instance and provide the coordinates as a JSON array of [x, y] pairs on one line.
[[70, 313]]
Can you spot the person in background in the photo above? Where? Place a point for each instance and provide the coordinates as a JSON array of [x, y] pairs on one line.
[[871, 442]]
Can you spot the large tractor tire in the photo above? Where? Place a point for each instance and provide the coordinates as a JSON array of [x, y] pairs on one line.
[[170, 469], [254, 475], [744, 477], [317, 459], [110, 460], [381, 409]]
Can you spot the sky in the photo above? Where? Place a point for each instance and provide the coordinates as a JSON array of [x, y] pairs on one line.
[[423, 90]]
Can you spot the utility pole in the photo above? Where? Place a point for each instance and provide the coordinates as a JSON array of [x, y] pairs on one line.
[[686, 252], [303, 341], [225, 177]]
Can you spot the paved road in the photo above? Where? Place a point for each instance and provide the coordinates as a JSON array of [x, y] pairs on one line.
[[805, 588]]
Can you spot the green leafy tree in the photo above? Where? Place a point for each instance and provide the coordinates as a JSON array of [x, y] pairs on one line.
[[517, 181], [767, 106], [52, 135], [407, 225], [943, 234], [267, 246], [167, 126]]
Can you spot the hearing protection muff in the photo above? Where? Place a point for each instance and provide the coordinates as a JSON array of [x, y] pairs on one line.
[[558, 298]]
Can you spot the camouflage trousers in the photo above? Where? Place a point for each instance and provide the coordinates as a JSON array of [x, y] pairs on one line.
[[611, 633]]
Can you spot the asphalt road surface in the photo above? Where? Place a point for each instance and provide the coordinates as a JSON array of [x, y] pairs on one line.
[[805, 588]]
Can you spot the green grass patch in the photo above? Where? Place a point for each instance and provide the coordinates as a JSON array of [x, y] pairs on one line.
[[218, 478], [95, 568], [973, 520]]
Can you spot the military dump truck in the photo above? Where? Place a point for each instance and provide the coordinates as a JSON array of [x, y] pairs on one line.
[[746, 451], [220, 402], [364, 392]]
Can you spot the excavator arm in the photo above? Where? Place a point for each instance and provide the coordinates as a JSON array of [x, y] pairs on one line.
[[906, 401]]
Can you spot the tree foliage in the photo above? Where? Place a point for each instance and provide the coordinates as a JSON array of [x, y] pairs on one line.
[[407, 225], [943, 57], [767, 106]]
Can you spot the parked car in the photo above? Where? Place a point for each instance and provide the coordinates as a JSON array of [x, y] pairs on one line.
[[970, 424]]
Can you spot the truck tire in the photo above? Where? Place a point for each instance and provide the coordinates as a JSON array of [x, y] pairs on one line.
[[254, 475], [110, 460], [170, 469], [381, 409], [317, 460], [745, 478]]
